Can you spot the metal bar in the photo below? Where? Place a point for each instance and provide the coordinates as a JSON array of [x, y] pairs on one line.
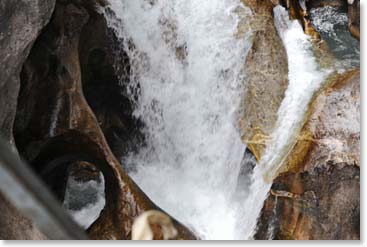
[[29, 194]]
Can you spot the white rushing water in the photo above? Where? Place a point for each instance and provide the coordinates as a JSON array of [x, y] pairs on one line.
[[332, 24], [189, 104], [84, 200], [186, 68], [305, 79]]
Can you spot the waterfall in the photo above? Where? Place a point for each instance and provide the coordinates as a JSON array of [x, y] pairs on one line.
[[187, 71], [305, 79], [187, 67]]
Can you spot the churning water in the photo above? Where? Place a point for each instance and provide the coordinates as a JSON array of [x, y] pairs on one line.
[[332, 24], [187, 70], [84, 200]]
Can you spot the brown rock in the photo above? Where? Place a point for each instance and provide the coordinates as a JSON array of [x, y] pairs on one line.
[[84, 171], [105, 71], [331, 132], [354, 18], [326, 208], [317, 195], [266, 77], [55, 127], [299, 10]]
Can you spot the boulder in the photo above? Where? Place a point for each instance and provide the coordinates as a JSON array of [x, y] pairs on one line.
[[332, 129], [266, 77], [317, 194]]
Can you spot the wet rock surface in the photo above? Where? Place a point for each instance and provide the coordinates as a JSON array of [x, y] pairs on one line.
[[317, 194], [331, 132], [55, 127], [105, 71], [266, 77], [313, 208], [73, 116]]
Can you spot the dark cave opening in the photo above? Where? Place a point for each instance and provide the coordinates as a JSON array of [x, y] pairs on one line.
[[65, 64], [105, 71]]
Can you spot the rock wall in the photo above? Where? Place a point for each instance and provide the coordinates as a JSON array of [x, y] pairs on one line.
[[55, 126], [105, 71], [20, 24]]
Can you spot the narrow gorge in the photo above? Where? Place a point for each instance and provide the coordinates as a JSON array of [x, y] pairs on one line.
[[239, 119]]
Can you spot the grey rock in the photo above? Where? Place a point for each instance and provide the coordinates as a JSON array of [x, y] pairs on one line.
[[20, 23]]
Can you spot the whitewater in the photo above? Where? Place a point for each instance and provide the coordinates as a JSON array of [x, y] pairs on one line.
[[187, 68]]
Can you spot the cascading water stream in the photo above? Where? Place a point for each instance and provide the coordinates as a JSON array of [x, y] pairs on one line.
[[187, 70], [305, 79], [187, 67]]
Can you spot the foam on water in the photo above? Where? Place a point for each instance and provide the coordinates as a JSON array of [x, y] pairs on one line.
[[84, 200], [332, 24], [187, 69], [189, 103]]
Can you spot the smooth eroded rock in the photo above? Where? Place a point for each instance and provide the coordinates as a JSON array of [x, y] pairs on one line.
[[317, 194], [55, 126], [266, 77]]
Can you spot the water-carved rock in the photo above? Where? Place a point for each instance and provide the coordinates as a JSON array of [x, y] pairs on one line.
[[266, 77], [321, 172], [55, 127], [105, 71]]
